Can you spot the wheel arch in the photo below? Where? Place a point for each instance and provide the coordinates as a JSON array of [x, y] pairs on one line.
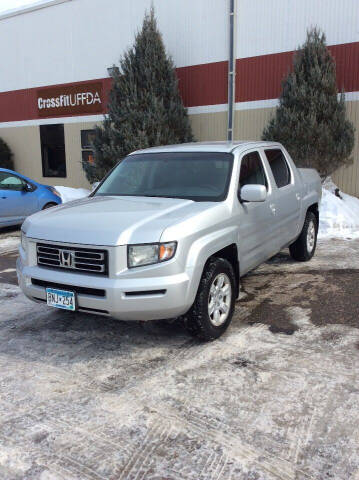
[[48, 205], [314, 208], [215, 244], [230, 253]]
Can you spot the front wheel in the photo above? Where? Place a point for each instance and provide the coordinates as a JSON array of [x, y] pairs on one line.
[[49, 205], [213, 307], [304, 247]]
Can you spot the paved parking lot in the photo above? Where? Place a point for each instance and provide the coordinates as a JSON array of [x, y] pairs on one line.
[[84, 397]]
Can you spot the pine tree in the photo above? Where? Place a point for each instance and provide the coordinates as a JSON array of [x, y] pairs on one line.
[[145, 108], [5, 156], [310, 120]]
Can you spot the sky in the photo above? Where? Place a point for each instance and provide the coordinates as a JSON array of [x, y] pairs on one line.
[[10, 4]]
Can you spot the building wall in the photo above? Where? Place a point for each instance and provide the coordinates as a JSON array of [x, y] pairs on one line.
[[347, 178], [66, 43], [249, 124], [274, 26], [25, 144], [74, 153], [209, 126], [194, 32], [78, 39]]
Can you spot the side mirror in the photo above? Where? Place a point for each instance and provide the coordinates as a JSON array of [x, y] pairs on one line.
[[27, 187], [253, 193]]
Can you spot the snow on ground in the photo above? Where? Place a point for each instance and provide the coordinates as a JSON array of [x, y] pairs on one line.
[[68, 193], [276, 398], [9, 244], [339, 217]]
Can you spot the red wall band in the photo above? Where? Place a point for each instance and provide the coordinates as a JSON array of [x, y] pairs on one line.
[[257, 78]]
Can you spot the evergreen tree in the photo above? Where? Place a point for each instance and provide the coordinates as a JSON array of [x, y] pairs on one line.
[[145, 108], [310, 120], [5, 156]]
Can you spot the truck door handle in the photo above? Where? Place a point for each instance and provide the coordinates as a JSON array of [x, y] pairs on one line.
[[272, 207]]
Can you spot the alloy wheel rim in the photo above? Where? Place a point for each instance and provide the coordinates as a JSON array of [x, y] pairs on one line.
[[310, 237], [219, 300]]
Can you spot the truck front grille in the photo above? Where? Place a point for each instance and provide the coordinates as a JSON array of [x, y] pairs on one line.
[[72, 258]]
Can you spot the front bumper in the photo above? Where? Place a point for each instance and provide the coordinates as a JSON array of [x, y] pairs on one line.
[[145, 298]]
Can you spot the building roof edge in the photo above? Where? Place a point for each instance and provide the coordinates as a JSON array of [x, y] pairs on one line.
[[30, 8]]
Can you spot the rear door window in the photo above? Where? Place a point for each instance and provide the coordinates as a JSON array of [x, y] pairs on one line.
[[279, 167], [252, 171]]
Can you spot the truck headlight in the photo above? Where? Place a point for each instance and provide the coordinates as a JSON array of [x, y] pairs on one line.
[[23, 241], [150, 253]]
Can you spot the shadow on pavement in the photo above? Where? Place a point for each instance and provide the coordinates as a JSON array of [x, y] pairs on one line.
[[10, 231]]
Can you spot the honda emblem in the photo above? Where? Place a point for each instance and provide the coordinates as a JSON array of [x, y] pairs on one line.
[[67, 258]]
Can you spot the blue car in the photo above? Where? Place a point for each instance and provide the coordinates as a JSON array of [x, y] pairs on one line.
[[21, 197]]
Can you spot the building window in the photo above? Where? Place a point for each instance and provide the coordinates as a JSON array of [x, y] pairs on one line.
[[53, 151], [87, 157], [87, 137]]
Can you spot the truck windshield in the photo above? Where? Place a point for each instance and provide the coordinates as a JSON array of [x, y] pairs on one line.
[[202, 177]]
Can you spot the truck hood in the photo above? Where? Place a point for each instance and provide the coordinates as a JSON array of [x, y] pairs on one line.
[[110, 221]]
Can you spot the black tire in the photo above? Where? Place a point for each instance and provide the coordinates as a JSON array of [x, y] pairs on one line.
[[299, 250], [197, 321], [49, 205]]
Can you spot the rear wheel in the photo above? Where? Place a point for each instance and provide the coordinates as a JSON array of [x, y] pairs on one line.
[[213, 308], [304, 247]]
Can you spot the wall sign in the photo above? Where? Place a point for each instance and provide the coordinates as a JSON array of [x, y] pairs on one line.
[[70, 100]]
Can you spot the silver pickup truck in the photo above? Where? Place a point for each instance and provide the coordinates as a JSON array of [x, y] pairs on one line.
[[170, 231]]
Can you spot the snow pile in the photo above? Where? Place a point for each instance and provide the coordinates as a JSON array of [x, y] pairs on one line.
[[8, 291], [68, 194], [9, 244], [339, 217]]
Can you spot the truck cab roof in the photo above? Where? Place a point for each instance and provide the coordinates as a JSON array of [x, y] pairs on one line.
[[227, 147]]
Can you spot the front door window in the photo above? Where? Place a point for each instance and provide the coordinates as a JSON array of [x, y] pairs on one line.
[[252, 171], [10, 182]]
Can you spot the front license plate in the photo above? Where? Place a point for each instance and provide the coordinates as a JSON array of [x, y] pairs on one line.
[[61, 299]]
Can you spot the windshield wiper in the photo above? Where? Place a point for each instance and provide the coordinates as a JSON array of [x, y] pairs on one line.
[[162, 196]]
